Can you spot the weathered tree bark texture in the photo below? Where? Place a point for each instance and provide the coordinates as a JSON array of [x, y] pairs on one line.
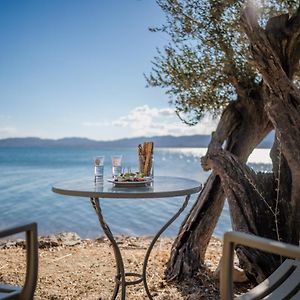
[[276, 55], [253, 198], [263, 204], [241, 135], [189, 247]]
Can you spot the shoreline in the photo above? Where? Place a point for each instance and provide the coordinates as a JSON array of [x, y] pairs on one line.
[[70, 238]]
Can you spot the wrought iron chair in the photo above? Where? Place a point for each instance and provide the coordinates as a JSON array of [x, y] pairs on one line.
[[27, 291], [284, 283]]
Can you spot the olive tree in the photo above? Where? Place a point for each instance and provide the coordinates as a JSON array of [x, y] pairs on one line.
[[239, 61]]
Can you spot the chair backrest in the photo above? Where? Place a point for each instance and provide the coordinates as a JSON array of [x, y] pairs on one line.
[[27, 291], [284, 283]]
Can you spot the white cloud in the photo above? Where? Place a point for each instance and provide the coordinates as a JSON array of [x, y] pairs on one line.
[[149, 121], [145, 120]]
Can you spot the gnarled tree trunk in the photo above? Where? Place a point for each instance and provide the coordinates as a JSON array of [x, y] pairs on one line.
[[263, 204], [243, 125]]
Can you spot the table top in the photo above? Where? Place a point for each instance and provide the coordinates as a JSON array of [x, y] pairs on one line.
[[162, 186]]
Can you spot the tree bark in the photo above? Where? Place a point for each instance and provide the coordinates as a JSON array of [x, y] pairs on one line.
[[277, 59], [189, 247], [251, 197], [242, 126]]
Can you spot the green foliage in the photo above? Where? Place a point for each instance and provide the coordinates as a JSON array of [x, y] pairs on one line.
[[206, 62]]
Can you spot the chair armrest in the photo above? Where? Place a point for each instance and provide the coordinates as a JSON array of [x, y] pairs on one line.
[[233, 238], [28, 289]]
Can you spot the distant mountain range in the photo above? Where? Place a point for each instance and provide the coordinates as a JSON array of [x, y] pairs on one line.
[[159, 141]]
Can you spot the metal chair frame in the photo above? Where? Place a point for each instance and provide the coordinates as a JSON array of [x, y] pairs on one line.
[[27, 291], [286, 279]]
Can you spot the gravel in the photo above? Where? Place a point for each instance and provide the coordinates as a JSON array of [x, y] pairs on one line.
[[71, 268]]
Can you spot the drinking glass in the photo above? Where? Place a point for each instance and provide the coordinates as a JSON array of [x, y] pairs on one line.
[[147, 166], [99, 167], [116, 162]]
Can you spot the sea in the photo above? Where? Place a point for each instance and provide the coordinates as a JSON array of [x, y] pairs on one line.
[[27, 175]]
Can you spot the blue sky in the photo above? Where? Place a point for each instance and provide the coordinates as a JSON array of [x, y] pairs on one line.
[[75, 68]]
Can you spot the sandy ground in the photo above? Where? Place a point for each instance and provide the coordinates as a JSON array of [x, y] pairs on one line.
[[86, 270]]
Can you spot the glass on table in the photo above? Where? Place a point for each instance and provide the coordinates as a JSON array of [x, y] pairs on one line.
[[99, 167], [146, 165], [116, 162]]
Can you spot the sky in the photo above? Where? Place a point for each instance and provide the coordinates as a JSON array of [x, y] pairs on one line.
[[75, 68]]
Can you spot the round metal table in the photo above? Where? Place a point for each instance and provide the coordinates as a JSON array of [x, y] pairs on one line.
[[161, 187]]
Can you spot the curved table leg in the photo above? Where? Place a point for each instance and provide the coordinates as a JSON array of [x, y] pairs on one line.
[[120, 277], [185, 203]]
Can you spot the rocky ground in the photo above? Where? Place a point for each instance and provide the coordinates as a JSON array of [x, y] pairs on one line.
[[71, 268]]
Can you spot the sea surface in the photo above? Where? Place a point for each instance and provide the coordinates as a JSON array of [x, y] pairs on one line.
[[27, 175]]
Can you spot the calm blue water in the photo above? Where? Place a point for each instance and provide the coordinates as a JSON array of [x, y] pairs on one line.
[[27, 175]]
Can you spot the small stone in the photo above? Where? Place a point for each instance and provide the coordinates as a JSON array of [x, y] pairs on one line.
[[48, 241], [69, 238], [7, 244], [239, 275]]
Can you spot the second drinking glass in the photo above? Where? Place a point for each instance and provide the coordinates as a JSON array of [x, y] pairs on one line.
[[116, 161]]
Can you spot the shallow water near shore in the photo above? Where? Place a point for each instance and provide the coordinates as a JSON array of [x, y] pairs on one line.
[[27, 175]]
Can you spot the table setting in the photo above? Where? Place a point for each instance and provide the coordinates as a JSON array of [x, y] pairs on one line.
[[122, 177]]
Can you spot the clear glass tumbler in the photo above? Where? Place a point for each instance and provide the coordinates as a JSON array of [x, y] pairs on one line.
[[99, 167], [116, 162]]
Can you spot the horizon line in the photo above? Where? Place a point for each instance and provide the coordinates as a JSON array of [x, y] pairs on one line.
[[92, 139]]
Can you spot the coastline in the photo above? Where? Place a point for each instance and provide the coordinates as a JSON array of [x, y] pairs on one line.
[[71, 268]]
